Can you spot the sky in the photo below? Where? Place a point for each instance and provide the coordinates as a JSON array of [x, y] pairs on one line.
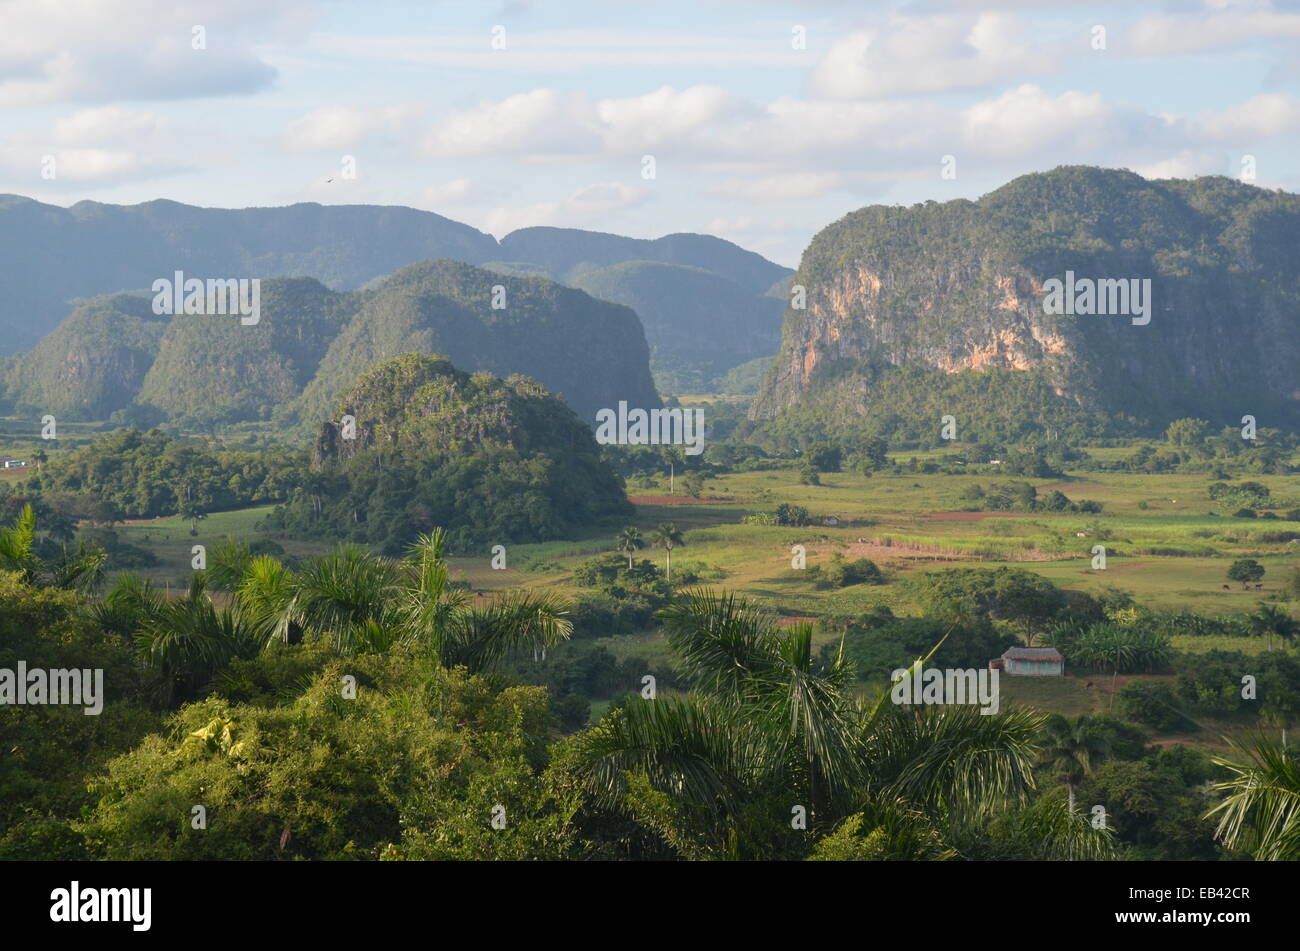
[[760, 122]]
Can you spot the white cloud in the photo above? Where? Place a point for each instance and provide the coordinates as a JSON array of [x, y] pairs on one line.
[[106, 125], [1183, 165], [1028, 120], [786, 187], [84, 167], [792, 149], [1218, 26], [564, 51], [458, 191], [102, 50], [342, 127], [103, 146], [591, 203], [927, 54], [540, 123], [1259, 117], [664, 117], [730, 226]]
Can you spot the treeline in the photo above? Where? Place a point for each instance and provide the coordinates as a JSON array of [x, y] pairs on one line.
[[147, 474]]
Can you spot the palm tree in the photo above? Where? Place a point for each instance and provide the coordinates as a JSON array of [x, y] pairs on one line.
[[764, 716], [341, 594], [17, 546], [674, 456], [364, 603], [82, 569], [1272, 621], [187, 640], [1261, 811], [430, 611], [127, 606], [1073, 747], [630, 540], [666, 536]]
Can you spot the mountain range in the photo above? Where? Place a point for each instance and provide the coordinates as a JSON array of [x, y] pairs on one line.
[[113, 358], [896, 317], [56, 260]]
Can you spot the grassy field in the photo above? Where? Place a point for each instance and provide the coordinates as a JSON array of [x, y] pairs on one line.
[[1172, 555], [1167, 543]]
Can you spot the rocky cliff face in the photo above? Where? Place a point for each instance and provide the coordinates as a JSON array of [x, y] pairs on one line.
[[960, 286]]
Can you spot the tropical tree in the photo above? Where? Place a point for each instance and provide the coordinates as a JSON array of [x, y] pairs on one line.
[[187, 640], [17, 546], [666, 536], [674, 456], [1072, 746], [1272, 621], [1260, 813], [81, 569], [629, 541], [192, 510], [364, 603], [1245, 570]]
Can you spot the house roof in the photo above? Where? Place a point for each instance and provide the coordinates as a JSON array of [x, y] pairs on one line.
[[1039, 654]]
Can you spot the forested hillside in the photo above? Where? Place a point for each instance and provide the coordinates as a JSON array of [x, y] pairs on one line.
[[955, 291]]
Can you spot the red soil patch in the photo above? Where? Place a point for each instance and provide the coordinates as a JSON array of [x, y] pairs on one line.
[[883, 553], [792, 621], [677, 500]]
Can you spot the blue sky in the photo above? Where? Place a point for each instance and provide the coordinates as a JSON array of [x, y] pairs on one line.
[[752, 139]]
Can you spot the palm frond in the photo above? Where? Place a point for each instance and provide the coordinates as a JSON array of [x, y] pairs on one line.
[[1260, 813], [480, 638]]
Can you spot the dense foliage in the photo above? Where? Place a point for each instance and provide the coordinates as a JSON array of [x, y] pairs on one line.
[[491, 461]]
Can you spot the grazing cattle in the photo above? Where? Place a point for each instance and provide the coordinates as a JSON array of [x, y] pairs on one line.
[[1089, 685], [1259, 587], [1226, 588]]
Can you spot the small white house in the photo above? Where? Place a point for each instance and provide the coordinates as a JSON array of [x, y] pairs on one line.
[[1030, 662]]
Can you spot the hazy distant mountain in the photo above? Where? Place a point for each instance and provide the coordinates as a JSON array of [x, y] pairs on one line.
[[913, 313], [698, 325], [112, 354], [52, 257], [567, 253], [590, 352], [92, 365], [216, 369]]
